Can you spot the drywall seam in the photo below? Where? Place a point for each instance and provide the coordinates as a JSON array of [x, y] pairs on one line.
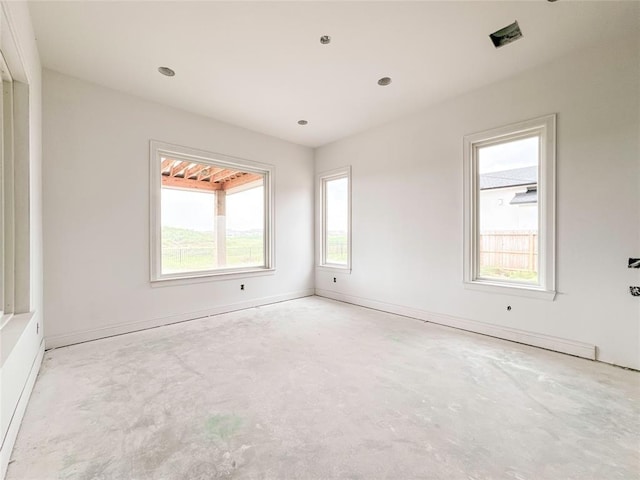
[[18, 414], [533, 339], [57, 341]]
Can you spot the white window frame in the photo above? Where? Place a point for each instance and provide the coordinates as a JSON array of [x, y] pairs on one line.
[[7, 197], [158, 149], [321, 215], [545, 127]]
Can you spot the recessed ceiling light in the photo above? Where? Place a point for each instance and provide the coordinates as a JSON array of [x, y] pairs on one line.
[[325, 39], [166, 71], [384, 81], [302, 122]]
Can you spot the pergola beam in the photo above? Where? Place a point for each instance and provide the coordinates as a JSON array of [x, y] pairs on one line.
[[241, 180], [221, 175], [208, 172], [194, 170], [177, 168], [166, 163], [207, 177], [178, 182]]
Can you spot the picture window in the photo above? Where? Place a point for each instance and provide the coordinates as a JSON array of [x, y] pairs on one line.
[[211, 214]]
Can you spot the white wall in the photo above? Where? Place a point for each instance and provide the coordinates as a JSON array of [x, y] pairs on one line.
[[21, 338], [96, 213], [407, 203]]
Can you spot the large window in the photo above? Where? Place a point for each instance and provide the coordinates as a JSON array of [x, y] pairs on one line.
[[211, 214], [14, 192], [7, 199], [509, 208], [335, 218]]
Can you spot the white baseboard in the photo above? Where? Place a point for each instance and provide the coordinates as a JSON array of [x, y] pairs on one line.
[[548, 342], [63, 340], [18, 414]]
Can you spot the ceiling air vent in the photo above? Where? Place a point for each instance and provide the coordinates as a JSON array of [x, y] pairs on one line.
[[506, 35]]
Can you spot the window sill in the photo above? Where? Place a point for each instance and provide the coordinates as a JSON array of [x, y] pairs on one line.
[[517, 290], [13, 327], [4, 319], [334, 268], [187, 279]]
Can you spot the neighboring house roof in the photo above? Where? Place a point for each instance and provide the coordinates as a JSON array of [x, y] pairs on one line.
[[523, 198], [509, 178]]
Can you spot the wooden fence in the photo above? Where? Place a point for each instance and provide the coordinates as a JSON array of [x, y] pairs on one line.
[[509, 250]]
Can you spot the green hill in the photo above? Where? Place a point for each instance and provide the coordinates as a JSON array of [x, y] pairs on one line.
[[183, 237]]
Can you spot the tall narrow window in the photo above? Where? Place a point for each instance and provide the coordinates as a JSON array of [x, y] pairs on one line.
[[335, 218], [509, 208], [211, 214], [7, 198]]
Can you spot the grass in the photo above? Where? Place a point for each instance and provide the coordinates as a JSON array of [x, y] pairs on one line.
[[173, 237], [185, 250], [337, 250], [497, 273]]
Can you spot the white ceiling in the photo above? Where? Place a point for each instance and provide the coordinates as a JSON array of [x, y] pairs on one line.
[[260, 65]]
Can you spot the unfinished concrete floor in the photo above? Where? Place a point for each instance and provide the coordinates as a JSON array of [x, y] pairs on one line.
[[314, 389]]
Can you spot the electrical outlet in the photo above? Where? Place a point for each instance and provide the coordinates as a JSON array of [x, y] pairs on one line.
[[634, 262], [242, 286], [334, 279]]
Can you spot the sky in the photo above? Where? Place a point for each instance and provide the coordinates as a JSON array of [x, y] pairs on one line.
[[195, 210], [245, 210], [506, 156], [337, 205]]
